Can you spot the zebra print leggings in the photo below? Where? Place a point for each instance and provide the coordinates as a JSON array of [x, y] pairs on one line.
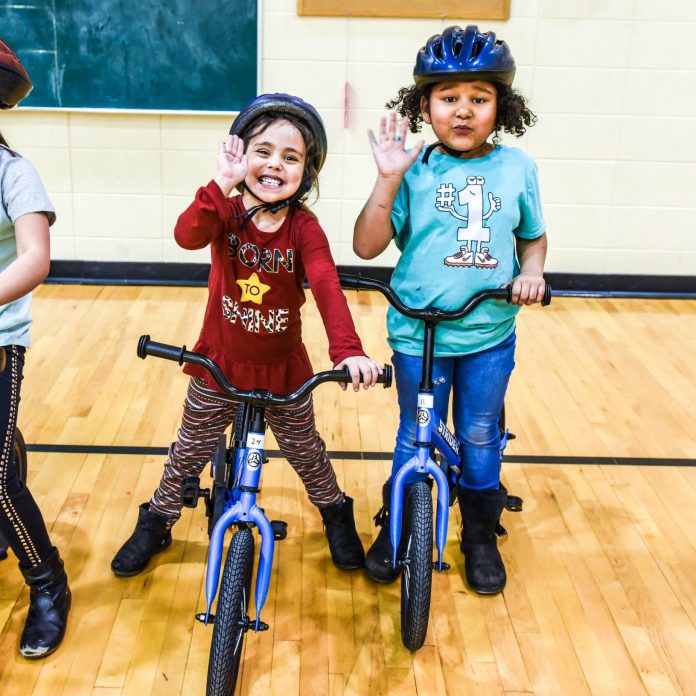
[[21, 522], [207, 413]]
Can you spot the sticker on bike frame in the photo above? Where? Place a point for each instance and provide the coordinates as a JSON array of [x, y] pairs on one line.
[[423, 416], [447, 436], [253, 460], [255, 441], [426, 400]]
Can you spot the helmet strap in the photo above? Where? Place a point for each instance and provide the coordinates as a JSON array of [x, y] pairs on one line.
[[274, 207], [449, 150]]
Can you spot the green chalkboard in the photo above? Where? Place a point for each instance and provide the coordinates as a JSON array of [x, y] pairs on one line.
[[136, 54]]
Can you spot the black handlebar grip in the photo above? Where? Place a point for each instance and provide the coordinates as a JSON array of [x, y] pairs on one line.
[[386, 377], [547, 296], [349, 281], [545, 301], [160, 350], [142, 346]]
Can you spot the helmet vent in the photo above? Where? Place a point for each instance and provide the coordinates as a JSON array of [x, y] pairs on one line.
[[437, 50]]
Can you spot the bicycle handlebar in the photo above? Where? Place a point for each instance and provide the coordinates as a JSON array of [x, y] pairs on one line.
[[357, 282], [260, 396]]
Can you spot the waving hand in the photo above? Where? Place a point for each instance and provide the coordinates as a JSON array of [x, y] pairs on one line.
[[388, 150]]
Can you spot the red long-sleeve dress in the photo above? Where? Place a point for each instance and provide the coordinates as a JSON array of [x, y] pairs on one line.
[[252, 327]]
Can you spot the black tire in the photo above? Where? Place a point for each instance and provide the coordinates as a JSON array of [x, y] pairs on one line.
[[417, 573], [232, 608]]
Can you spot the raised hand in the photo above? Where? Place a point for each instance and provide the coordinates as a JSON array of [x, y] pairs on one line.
[[390, 156], [231, 163]]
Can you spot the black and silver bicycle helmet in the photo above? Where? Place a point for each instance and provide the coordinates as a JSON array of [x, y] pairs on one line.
[[15, 83], [280, 105], [464, 54]]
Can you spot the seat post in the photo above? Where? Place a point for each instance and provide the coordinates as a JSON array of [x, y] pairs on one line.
[[428, 356]]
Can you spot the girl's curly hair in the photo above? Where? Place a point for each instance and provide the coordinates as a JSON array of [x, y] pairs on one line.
[[512, 115]]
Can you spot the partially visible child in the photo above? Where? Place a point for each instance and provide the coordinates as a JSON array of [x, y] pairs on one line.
[[466, 216], [25, 216], [264, 243]]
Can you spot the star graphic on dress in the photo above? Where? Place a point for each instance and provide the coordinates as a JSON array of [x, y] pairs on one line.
[[253, 289]]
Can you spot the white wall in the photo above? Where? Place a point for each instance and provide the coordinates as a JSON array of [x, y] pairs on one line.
[[613, 83]]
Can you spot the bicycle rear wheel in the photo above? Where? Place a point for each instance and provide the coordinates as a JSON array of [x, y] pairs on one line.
[[231, 617], [417, 559]]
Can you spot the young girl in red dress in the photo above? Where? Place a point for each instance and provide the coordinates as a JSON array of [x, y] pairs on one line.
[[264, 244]]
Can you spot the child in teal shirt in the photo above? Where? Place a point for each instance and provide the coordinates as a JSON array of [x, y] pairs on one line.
[[466, 215]]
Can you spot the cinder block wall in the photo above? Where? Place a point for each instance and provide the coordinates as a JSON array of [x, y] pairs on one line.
[[611, 81]]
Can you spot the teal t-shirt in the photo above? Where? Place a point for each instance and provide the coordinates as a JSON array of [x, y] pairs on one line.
[[455, 223]]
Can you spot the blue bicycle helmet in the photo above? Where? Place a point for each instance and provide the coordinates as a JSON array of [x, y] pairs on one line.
[[464, 54]]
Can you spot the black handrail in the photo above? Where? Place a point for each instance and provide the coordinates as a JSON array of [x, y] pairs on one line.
[[255, 396]]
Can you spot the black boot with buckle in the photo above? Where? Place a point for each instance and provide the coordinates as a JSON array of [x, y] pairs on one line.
[[49, 605], [378, 562], [346, 548], [481, 511], [150, 536]]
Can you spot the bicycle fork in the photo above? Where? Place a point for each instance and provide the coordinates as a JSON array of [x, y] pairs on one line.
[[421, 463], [247, 511]]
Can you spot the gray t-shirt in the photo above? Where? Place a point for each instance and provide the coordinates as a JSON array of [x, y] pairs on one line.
[[21, 192]]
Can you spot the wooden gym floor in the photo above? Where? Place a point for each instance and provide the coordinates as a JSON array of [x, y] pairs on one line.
[[601, 596]]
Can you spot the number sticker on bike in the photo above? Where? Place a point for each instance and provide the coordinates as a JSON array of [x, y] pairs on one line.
[[255, 441], [426, 401]]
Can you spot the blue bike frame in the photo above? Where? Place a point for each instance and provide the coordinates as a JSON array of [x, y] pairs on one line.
[[242, 507], [240, 499], [431, 430]]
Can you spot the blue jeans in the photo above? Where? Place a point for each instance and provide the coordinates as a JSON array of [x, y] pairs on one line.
[[478, 383]]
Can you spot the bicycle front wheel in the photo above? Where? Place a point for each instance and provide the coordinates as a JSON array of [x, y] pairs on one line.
[[231, 617], [417, 559]]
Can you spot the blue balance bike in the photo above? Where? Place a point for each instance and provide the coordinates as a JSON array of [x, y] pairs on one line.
[[411, 517], [236, 473]]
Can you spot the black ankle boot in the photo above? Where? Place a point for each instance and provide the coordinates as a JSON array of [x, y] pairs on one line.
[[483, 564], [344, 543], [151, 535], [49, 605], [378, 561]]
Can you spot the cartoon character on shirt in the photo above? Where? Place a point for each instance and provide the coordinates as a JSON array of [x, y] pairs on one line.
[[475, 234]]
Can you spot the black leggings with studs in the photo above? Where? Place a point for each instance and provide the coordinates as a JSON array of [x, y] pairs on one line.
[[21, 521]]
